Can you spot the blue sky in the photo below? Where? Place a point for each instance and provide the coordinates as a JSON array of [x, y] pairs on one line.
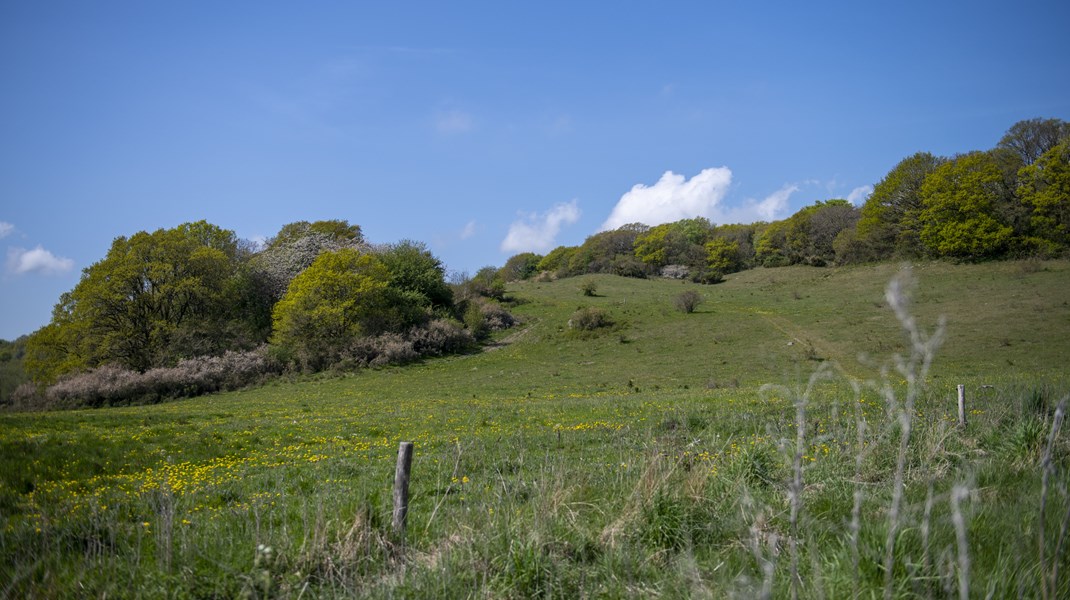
[[482, 129]]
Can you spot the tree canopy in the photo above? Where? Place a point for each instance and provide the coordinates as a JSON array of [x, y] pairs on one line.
[[155, 298]]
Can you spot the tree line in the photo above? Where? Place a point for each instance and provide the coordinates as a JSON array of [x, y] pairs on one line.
[[1011, 201], [143, 322]]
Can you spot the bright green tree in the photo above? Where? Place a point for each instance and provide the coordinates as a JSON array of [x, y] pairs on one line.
[[154, 299], [962, 212], [681, 242], [1044, 190], [342, 296], [557, 260], [770, 246], [723, 256]]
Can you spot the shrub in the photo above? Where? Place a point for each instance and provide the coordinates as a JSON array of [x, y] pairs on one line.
[[627, 265], [708, 277], [590, 319], [589, 288], [111, 385], [688, 301], [433, 339], [675, 271]]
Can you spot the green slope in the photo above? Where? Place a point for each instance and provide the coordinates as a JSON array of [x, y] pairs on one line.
[[643, 460]]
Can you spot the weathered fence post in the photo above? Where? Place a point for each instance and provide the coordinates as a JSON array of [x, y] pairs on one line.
[[962, 406], [401, 487]]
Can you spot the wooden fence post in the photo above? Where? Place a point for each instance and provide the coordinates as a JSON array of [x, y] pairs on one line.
[[962, 406], [401, 487]]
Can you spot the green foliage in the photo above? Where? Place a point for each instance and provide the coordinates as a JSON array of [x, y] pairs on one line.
[[12, 369], [723, 254], [806, 237], [598, 251], [678, 243], [888, 223], [589, 287], [155, 298], [771, 245], [342, 296], [961, 208], [520, 266], [488, 283], [416, 272], [557, 260], [1044, 189]]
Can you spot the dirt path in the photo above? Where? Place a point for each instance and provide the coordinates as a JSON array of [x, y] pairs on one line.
[[511, 338]]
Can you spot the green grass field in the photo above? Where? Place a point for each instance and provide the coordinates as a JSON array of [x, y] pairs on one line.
[[764, 445]]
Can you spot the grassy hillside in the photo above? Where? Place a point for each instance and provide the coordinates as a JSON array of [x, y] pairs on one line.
[[646, 459]]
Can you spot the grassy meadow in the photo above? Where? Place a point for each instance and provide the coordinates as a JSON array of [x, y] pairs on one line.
[[790, 438]]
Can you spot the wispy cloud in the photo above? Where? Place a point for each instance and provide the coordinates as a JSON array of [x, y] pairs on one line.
[[672, 198], [772, 207], [859, 194], [537, 233], [21, 261], [453, 122], [469, 230], [5, 229]]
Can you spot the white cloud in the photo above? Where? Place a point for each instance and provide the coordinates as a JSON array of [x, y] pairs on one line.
[[537, 233], [453, 121], [770, 208], [21, 261], [859, 194], [5, 229], [469, 230], [671, 199]]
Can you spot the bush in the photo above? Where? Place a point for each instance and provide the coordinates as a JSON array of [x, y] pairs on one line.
[[675, 271], [589, 288], [112, 385], [590, 319], [482, 317], [708, 277], [627, 265], [688, 301], [433, 339]]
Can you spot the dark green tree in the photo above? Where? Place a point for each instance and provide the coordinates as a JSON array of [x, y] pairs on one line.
[[520, 266], [888, 222], [418, 273]]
